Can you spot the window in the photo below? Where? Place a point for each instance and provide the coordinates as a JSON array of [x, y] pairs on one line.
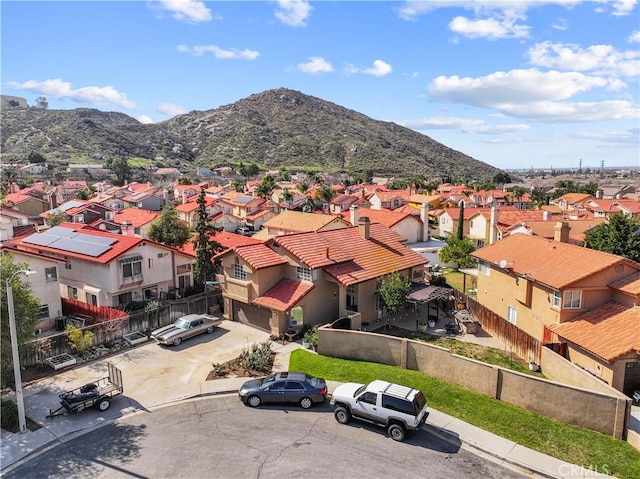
[[572, 299], [294, 385], [92, 299], [183, 268], [238, 272], [397, 404], [556, 299], [303, 274], [122, 299], [369, 397], [297, 316], [43, 312], [129, 270], [151, 293], [352, 298], [51, 274], [512, 314], [150, 263], [72, 293]]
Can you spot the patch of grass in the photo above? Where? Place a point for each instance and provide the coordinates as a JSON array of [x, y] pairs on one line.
[[569, 443], [454, 279]]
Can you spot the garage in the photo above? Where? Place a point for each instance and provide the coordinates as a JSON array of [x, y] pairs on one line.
[[252, 315]]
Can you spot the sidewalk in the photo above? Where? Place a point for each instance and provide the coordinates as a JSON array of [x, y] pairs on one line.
[[19, 448]]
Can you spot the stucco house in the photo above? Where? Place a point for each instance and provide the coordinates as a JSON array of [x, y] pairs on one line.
[[106, 269], [315, 277], [44, 284], [547, 287], [413, 228], [288, 222]]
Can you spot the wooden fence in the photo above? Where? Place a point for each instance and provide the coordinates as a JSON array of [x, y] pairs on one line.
[[524, 345], [109, 329]]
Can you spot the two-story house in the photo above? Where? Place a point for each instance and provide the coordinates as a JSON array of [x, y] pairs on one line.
[[15, 223], [315, 277], [44, 284], [540, 285], [289, 222], [412, 227], [106, 269]]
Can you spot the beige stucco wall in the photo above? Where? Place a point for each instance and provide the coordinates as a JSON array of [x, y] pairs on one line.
[[606, 413]]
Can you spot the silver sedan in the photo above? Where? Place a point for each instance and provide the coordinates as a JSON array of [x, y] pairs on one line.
[[186, 327]]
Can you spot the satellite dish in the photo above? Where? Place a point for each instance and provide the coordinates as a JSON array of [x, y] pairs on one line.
[[503, 263]]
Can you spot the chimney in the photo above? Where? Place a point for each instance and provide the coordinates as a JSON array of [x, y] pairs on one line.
[[165, 196], [492, 225], [353, 215], [184, 197], [561, 232], [424, 216], [127, 228], [364, 226], [546, 215]]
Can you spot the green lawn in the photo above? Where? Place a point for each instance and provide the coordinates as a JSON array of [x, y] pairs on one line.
[[563, 441]]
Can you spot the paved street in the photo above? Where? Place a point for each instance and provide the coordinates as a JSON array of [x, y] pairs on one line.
[[221, 438]]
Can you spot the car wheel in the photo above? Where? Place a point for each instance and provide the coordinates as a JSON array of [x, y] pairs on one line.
[[210, 330], [177, 341], [306, 403], [254, 401], [396, 431], [342, 415], [104, 404]]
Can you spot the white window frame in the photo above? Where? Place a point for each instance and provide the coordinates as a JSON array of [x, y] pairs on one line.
[[72, 293], [91, 298], [132, 266], [512, 315], [570, 301], [556, 300], [239, 272], [303, 274]]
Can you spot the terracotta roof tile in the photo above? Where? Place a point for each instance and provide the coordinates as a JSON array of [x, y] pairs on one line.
[[550, 262], [258, 256], [386, 217], [284, 295], [609, 331], [302, 222], [136, 216], [312, 248], [629, 285]]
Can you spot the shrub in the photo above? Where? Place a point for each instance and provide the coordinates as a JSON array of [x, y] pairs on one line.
[[79, 340], [258, 358], [311, 336], [9, 416]]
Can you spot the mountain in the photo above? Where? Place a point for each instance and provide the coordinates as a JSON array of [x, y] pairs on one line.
[[274, 128]]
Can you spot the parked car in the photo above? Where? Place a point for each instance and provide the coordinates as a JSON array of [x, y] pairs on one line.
[[244, 230], [284, 387], [398, 408], [186, 327]]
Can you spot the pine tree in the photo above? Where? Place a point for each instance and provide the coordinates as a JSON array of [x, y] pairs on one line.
[[205, 246]]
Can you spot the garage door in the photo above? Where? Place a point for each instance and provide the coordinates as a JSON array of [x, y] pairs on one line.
[[252, 315], [631, 378]]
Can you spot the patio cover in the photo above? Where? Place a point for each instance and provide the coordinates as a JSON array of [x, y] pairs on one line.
[[430, 293]]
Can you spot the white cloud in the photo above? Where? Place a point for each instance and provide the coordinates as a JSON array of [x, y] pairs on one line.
[[491, 28], [634, 37], [560, 24], [170, 109], [534, 95], [186, 10], [144, 119], [294, 13], [598, 59], [621, 7], [221, 54], [379, 69], [465, 125], [92, 95], [315, 65]]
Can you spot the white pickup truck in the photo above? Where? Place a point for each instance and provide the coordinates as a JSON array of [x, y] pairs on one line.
[[396, 407]]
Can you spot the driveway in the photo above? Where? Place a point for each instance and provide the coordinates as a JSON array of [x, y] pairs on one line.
[[151, 373]]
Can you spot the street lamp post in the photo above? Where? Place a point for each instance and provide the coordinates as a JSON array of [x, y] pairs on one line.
[[14, 349]]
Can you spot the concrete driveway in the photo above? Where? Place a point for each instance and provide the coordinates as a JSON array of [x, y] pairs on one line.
[[151, 373]]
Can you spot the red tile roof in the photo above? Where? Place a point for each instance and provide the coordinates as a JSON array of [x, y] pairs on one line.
[[609, 331], [629, 285], [285, 294], [553, 263], [258, 256], [386, 217], [225, 239], [136, 216]]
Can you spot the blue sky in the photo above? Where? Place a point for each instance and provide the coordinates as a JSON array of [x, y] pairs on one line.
[[516, 84]]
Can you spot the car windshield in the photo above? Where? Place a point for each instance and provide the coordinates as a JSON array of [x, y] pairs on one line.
[[268, 379], [312, 381], [360, 390], [182, 324]]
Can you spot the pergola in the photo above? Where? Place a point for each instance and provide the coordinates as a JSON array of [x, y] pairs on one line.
[[427, 294]]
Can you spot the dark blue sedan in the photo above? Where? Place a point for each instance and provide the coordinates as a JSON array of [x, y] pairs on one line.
[[284, 387]]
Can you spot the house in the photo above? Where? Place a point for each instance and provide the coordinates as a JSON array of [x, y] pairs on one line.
[[542, 285], [150, 199], [44, 284], [134, 221], [71, 188], [106, 269], [241, 205], [488, 225], [414, 228], [188, 212], [614, 191], [79, 211], [289, 222], [604, 208], [573, 201], [14, 223], [546, 229], [389, 200], [315, 277], [25, 203]]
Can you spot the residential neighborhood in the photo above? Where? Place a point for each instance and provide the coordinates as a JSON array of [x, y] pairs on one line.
[[286, 260]]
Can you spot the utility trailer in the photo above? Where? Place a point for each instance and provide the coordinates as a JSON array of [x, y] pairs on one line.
[[97, 394]]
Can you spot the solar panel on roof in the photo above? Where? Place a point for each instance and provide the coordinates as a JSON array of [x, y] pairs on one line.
[[82, 247], [244, 199], [61, 231], [40, 239], [94, 239]]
